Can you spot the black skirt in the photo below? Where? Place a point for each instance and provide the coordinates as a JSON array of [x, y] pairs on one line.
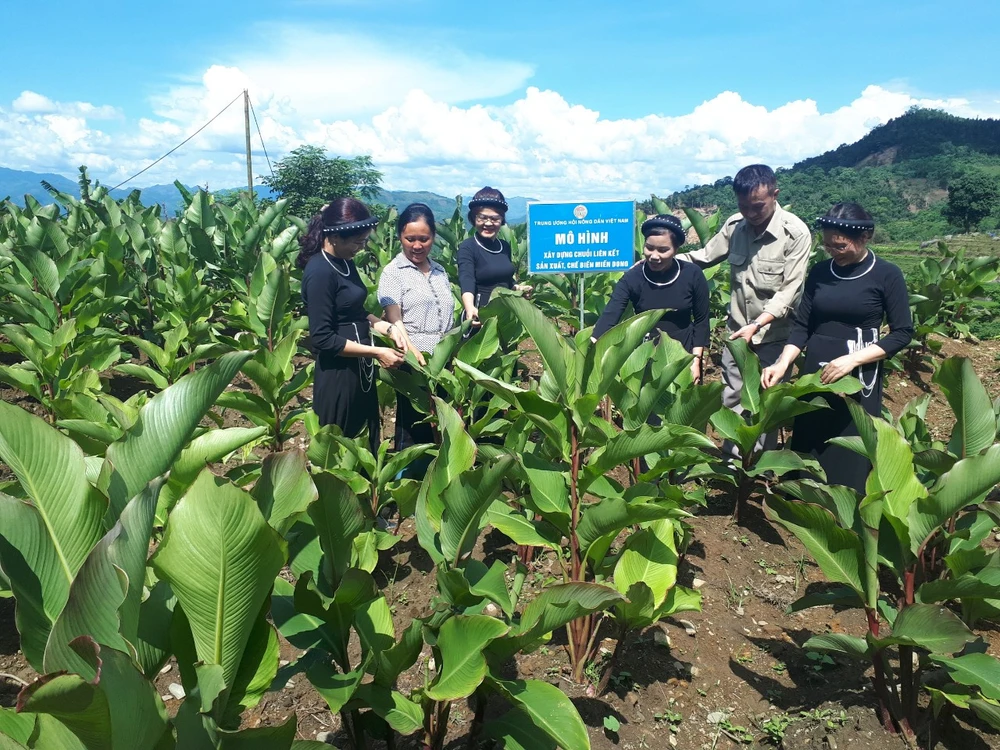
[[811, 431], [345, 389]]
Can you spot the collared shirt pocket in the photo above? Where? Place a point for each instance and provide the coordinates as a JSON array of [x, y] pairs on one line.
[[766, 276]]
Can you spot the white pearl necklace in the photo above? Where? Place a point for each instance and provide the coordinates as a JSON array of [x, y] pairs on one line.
[[495, 252], [662, 283], [833, 269], [334, 267]]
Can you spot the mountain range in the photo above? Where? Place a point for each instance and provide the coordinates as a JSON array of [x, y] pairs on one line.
[[17, 184]]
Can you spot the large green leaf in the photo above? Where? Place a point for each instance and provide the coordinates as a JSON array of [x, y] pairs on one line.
[[110, 706], [516, 731], [840, 643], [45, 539], [549, 709], [461, 641], [552, 347], [466, 499], [749, 367], [780, 462], [105, 596], [976, 670], [163, 428], [984, 584], [338, 518], [650, 557], [285, 489], [399, 712], [975, 423], [549, 488], [837, 551], [220, 558], [626, 446], [335, 687], [602, 521], [928, 626], [965, 483]]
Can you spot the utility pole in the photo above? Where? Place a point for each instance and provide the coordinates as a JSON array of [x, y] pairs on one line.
[[246, 122]]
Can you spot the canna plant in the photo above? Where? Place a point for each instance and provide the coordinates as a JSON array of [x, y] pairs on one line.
[[565, 463], [895, 533], [168, 363], [765, 411]]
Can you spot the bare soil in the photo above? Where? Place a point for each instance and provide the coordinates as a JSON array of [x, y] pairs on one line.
[[711, 681]]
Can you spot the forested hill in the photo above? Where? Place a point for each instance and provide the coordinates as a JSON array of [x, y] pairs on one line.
[[900, 172]]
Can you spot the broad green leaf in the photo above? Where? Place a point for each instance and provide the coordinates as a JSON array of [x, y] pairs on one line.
[[549, 488], [984, 584], [966, 482], [626, 446], [517, 732], [552, 347], [461, 641], [609, 516], [285, 489], [749, 367], [163, 428], [335, 687], [256, 672], [402, 714], [338, 518], [549, 709], [45, 539], [520, 529], [839, 643], [466, 499], [981, 671], [976, 424], [928, 626], [780, 462], [220, 558], [842, 501], [105, 596], [836, 595], [650, 557], [837, 551]]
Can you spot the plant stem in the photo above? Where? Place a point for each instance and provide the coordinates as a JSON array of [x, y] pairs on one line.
[[613, 661]]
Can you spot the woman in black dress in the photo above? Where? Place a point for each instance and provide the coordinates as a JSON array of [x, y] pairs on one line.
[[344, 384], [484, 261], [662, 282], [838, 324]]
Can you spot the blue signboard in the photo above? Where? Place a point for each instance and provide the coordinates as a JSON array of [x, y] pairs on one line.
[[581, 237]]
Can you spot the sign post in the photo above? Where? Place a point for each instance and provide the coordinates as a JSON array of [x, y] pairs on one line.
[[581, 237]]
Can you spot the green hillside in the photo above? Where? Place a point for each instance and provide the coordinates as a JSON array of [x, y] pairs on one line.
[[900, 172]]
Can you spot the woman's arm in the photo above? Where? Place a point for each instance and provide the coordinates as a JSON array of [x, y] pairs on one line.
[[615, 308]]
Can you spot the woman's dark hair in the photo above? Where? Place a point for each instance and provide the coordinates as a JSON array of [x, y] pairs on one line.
[[488, 197], [849, 219], [337, 211], [665, 224], [752, 177], [415, 212]]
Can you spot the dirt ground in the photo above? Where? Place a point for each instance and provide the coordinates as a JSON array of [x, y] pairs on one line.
[[716, 679]]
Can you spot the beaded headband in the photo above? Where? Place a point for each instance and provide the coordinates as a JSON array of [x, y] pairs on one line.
[[498, 203], [857, 225], [350, 226], [663, 221]]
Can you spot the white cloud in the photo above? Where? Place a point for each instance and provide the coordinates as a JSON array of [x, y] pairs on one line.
[[428, 138], [32, 103]]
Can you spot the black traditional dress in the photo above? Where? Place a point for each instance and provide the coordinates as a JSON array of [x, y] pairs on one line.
[[484, 265], [344, 388], [680, 289], [842, 311]]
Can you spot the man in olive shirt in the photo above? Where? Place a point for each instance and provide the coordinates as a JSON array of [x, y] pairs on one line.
[[768, 251]]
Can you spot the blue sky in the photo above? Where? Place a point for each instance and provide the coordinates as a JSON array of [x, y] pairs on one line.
[[584, 99]]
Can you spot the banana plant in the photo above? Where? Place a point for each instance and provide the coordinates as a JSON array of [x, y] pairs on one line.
[[894, 531], [764, 411], [577, 448]]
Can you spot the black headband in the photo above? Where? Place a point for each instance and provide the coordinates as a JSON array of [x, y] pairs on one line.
[[350, 226], [855, 225], [663, 221], [497, 203]]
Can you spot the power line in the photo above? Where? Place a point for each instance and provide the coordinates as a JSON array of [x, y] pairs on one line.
[[181, 143], [261, 136]]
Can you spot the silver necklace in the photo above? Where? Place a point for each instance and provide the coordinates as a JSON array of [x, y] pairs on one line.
[[833, 269], [495, 252], [662, 283], [334, 267]]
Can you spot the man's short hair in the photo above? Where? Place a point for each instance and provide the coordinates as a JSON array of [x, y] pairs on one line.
[[753, 176]]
